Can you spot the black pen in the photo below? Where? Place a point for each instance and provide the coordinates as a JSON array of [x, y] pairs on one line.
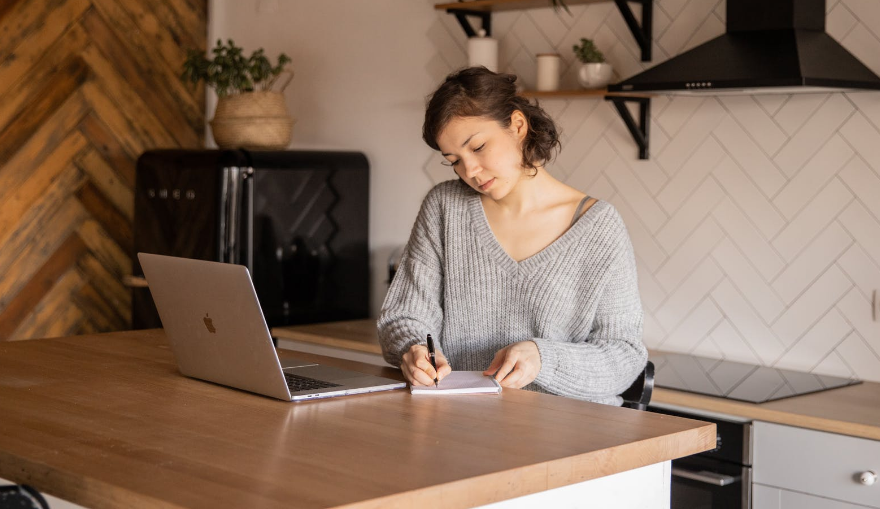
[[433, 357]]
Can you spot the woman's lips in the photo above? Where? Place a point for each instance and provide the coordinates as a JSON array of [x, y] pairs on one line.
[[487, 185]]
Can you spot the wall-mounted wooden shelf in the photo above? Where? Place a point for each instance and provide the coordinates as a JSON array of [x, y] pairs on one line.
[[642, 32], [483, 9], [600, 93], [507, 5]]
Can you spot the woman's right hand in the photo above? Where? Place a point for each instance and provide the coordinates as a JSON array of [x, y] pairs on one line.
[[416, 366]]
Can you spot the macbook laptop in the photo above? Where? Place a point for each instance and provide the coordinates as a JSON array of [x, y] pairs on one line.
[[217, 331]]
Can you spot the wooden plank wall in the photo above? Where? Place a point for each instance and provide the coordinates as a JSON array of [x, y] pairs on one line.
[[85, 87]]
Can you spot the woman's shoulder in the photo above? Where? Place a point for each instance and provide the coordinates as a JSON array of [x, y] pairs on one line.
[[449, 192]]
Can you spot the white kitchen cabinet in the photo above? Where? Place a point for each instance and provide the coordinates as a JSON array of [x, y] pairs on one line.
[[769, 497], [806, 469]]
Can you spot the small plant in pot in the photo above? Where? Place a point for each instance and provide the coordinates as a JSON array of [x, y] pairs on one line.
[[594, 71], [249, 114]]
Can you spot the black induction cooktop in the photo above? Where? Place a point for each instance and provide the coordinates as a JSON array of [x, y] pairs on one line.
[[737, 380]]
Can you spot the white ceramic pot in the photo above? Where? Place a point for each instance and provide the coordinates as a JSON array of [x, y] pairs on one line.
[[594, 75]]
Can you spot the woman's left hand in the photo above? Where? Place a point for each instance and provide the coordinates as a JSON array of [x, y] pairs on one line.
[[517, 365]]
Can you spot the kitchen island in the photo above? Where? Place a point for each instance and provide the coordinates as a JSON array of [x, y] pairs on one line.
[[107, 421]]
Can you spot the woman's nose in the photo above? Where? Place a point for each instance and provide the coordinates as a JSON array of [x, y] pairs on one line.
[[471, 167]]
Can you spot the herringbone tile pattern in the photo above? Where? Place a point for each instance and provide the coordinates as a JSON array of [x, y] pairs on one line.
[[85, 87], [756, 222]]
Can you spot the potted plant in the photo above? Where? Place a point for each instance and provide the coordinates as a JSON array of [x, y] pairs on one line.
[[595, 72], [249, 113]]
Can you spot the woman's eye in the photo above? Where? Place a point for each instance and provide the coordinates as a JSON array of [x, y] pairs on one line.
[[450, 163], [479, 148]]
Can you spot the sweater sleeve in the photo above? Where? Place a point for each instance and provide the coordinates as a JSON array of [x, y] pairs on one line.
[[613, 355], [413, 305]]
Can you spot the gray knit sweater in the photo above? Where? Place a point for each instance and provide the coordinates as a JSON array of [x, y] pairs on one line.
[[578, 299]]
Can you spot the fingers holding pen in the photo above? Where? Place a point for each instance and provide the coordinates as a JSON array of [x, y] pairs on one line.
[[417, 369]]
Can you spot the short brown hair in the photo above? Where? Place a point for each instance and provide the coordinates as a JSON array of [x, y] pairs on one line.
[[479, 92]]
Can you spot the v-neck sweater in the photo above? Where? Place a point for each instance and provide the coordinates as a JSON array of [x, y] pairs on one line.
[[577, 299]]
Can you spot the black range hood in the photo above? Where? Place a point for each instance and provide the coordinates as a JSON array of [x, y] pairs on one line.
[[771, 46]]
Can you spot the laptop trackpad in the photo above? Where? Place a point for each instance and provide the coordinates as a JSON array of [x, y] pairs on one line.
[[325, 373]]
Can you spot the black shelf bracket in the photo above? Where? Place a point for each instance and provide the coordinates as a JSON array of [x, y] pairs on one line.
[[642, 33], [462, 14], [640, 131]]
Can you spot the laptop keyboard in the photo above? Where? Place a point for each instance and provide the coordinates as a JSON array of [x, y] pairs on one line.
[[298, 383]]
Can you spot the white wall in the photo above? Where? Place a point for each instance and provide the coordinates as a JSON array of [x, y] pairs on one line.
[[756, 222], [360, 85]]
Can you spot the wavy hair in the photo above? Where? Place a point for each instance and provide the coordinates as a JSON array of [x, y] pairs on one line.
[[479, 92]]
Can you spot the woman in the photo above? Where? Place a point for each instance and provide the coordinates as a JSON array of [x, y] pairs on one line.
[[515, 273]]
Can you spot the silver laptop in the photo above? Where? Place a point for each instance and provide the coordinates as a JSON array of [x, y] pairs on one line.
[[217, 331]]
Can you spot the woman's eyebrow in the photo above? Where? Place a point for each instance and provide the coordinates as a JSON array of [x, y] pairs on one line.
[[463, 144]]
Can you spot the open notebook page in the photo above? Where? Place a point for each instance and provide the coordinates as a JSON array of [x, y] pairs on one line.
[[461, 382]]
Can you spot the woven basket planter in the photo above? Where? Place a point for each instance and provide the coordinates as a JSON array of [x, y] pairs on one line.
[[252, 120]]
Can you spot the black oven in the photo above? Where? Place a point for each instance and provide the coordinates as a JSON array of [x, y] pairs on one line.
[[716, 479]]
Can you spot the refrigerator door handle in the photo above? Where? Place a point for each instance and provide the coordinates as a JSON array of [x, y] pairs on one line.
[[230, 217]]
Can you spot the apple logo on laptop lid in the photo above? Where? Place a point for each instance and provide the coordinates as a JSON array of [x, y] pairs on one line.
[[209, 324]]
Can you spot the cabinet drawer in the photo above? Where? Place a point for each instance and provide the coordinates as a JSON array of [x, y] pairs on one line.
[[815, 462]]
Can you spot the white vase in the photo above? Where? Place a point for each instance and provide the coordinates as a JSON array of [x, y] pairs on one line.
[[547, 72], [594, 75]]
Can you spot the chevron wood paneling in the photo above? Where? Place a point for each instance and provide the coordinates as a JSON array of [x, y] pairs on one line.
[[85, 87], [756, 222]]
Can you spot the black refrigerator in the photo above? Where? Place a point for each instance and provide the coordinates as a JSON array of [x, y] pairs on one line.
[[297, 219]]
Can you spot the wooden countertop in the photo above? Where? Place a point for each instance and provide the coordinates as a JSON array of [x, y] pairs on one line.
[[107, 421], [853, 410]]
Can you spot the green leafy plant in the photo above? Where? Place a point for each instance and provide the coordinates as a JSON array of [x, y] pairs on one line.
[[587, 52], [230, 72]]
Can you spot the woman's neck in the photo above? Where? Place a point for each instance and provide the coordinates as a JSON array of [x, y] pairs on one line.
[[530, 194]]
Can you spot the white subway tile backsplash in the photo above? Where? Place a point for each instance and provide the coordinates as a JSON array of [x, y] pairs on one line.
[[839, 22], [806, 142], [747, 280], [692, 212], [812, 220], [695, 248], [857, 310], [687, 140], [864, 183], [797, 110], [635, 194], [864, 138], [678, 112], [748, 239], [861, 225], [816, 344], [771, 103], [694, 328], [833, 365], [756, 121], [806, 185], [749, 198], [531, 37], [643, 240], [756, 221], [732, 345], [749, 156], [747, 323], [864, 361], [818, 298], [810, 263], [685, 24], [861, 270], [683, 300], [691, 175]]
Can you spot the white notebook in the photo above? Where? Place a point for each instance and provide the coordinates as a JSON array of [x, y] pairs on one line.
[[461, 382]]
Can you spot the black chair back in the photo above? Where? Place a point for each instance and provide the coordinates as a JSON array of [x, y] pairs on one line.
[[639, 393]]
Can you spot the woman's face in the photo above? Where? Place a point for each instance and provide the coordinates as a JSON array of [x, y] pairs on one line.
[[485, 155]]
